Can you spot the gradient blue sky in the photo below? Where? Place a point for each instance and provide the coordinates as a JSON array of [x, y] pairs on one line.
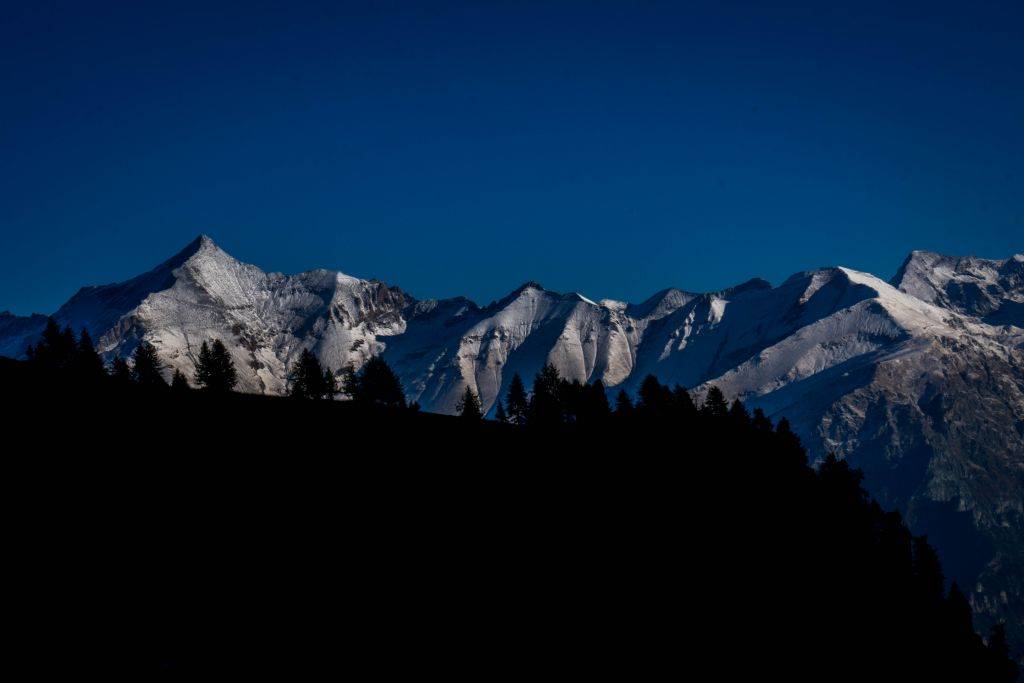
[[614, 148]]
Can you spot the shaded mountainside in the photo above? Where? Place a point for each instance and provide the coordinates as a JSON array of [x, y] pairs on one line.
[[918, 381], [348, 536]]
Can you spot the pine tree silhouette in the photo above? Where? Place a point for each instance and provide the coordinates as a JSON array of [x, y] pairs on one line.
[[518, 403], [1001, 665], [623, 405], [499, 412], [120, 373], [179, 383], [683, 404], [958, 613], [545, 408], [215, 371], [377, 384], [761, 422], [469, 406], [655, 399], [738, 414], [147, 367], [87, 364], [56, 347], [309, 380], [329, 384], [593, 408], [790, 444], [715, 404]]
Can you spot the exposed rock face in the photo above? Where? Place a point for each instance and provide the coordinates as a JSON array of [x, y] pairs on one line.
[[990, 290], [920, 381]]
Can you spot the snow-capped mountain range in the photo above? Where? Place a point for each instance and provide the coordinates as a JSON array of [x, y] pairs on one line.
[[918, 380]]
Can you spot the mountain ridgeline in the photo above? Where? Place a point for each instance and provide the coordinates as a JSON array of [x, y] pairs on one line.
[[216, 532], [917, 381]]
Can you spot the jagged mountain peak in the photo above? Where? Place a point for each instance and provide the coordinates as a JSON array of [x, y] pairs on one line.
[[660, 304], [991, 290], [532, 291], [528, 285], [755, 284], [202, 244]]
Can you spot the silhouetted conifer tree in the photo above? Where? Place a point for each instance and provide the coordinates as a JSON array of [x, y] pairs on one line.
[[545, 402], [518, 403], [1002, 667], [791, 447], [623, 405], [87, 364], [68, 345], [120, 373], [715, 404], [469, 406], [841, 482], [56, 347], [179, 383], [215, 371], [309, 380], [499, 413], [377, 384], [958, 613], [330, 385], [593, 406], [656, 400], [146, 367], [738, 414], [683, 403], [760, 421]]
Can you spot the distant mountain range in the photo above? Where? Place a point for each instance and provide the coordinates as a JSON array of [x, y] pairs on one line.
[[919, 381]]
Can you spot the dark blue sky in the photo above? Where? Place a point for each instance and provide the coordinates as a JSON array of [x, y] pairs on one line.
[[613, 148]]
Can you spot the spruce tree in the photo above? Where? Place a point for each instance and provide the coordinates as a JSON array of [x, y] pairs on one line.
[[120, 373], [499, 413], [215, 371], [518, 403], [56, 347], [761, 422], [958, 613], [623, 405], [683, 403], [469, 406], [715, 404], [655, 399], [546, 408], [179, 383], [329, 385], [790, 445], [1002, 667], [204, 366], [226, 373], [738, 414], [51, 334], [594, 409], [67, 346], [146, 367], [87, 364], [309, 380], [377, 384]]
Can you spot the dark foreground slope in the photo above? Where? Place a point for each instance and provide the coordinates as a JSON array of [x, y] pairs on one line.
[[177, 534]]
